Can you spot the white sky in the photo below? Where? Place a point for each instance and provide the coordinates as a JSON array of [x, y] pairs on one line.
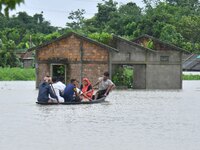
[[57, 11]]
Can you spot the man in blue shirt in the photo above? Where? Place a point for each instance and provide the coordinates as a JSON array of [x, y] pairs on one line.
[[45, 90], [70, 92]]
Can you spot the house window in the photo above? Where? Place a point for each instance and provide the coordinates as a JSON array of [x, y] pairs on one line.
[[164, 58]]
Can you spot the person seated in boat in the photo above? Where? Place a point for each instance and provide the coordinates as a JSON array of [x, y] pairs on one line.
[[45, 90], [87, 90], [105, 86], [61, 82], [70, 92], [59, 88]]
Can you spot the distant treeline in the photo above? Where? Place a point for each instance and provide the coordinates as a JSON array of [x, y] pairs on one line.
[[173, 21]]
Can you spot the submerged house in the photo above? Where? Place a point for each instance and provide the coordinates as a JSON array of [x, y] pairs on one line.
[[76, 56], [72, 56]]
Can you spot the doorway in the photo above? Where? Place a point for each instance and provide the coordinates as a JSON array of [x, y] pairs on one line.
[[58, 70], [129, 76], [123, 76]]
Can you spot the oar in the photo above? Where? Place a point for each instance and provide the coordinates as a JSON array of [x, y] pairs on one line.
[[54, 92]]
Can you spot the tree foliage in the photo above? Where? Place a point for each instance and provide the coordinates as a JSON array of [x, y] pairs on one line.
[[77, 19], [173, 21], [21, 32], [9, 5]]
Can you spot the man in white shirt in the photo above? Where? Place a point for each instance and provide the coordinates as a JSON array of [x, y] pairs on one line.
[[105, 86], [58, 88]]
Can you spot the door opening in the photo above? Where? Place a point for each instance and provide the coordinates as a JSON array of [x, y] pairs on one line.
[[58, 70], [123, 76]]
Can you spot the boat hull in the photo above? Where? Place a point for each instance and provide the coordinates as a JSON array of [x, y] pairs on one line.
[[75, 103]]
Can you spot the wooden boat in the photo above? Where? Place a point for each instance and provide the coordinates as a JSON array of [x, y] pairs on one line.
[[75, 103]]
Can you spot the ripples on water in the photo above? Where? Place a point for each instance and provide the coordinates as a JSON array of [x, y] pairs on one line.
[[135, 119]]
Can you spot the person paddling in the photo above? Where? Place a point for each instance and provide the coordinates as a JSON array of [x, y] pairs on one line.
[[86, 88], [105, 86], [45, 91]]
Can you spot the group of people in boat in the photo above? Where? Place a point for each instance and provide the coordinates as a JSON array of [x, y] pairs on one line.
[[53, 90]]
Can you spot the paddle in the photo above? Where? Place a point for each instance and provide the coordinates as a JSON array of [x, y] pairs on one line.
[[54, 92]]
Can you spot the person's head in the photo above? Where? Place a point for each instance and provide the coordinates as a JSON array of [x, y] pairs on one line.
[[73, 81], [54, 79], [77, 83], [105, 76], [86, 81], [47, 79], [61, 79]]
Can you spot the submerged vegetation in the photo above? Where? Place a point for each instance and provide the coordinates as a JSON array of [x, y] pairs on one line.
[[10, 74]]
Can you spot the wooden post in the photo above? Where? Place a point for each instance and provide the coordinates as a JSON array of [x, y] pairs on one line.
[[81, 54]]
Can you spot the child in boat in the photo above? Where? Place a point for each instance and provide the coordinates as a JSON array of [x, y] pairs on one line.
[[105, 86], [86, 88]]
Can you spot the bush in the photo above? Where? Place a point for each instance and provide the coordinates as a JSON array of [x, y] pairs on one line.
[[10, 74], [101, 37], [123, 77]]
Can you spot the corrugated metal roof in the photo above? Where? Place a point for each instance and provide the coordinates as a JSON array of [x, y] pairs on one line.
[[192, 63]]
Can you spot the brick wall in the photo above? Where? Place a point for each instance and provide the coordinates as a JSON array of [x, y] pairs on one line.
[[65, 48], [42, 71], [94, 71], [93, 52], [75, 71], [95, 58]]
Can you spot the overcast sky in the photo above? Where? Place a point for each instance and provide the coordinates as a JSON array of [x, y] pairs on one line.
[[57, 11]]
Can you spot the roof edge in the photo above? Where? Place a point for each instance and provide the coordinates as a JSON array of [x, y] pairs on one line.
[[69, 34], [163, 42], [133, 43]]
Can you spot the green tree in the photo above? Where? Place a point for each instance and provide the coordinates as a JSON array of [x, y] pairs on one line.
[[9, 5], [105, 12], [76, 18], [189, 27], [170, 34]]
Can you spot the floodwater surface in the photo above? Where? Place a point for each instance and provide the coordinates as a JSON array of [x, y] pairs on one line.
[[129, 120]]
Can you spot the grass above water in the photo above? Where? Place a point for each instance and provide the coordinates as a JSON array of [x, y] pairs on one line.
[[191, 77], [14, 74]]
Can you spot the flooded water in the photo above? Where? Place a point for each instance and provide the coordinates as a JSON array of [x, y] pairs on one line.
[[130, 120]]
